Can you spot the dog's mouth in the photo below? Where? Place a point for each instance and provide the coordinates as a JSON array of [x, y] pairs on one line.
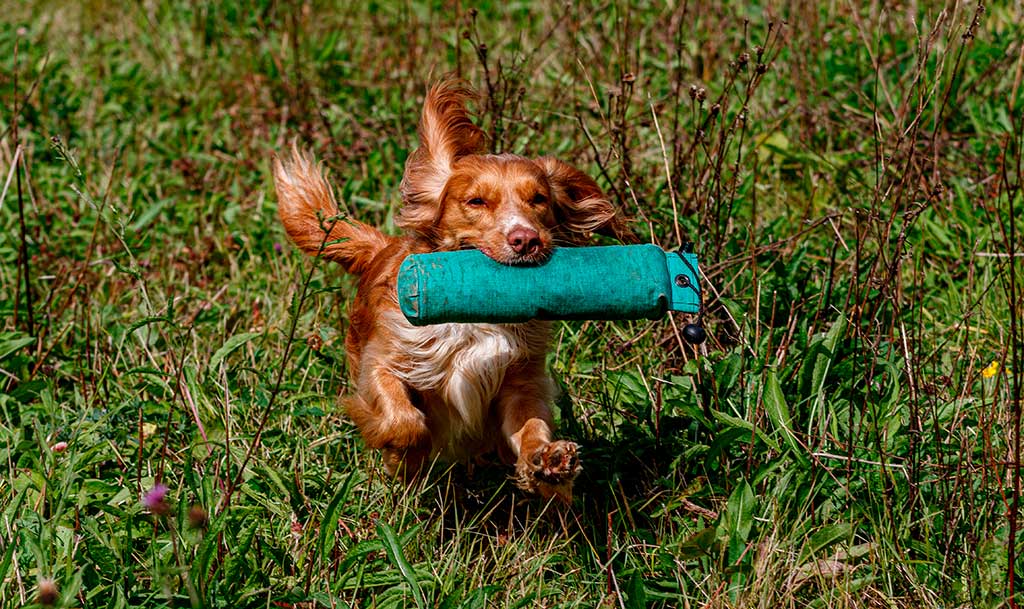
[[528, 260], [511, 258]]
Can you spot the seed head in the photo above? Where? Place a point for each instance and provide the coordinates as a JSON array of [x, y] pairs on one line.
[[197, 517], [48, 593]]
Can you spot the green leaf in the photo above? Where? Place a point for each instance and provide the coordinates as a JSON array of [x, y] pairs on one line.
[[272, 478], [10, 343], [747, 425], [14, 507], [357, 558], [636, 594], [147, 321], [329, 524], [824, 538], [778, 412], [727, 373], [102, 556], [479, 597], [738, 519], [229, 345], [824, 361], [208, 547], [699, 544], [529, 600], [817, 361], [147, 215], [393, 548]]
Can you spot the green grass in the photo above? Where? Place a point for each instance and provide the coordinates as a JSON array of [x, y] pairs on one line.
[[846, 438]]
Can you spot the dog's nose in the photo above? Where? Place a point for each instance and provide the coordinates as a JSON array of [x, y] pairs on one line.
[[524, 241]]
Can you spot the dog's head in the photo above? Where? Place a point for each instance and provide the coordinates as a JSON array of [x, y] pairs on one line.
[[511, 208]]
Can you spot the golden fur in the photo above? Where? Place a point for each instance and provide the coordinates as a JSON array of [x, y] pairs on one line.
[[452, 391]]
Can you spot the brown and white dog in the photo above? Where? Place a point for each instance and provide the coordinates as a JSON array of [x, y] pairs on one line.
[[452, 391]]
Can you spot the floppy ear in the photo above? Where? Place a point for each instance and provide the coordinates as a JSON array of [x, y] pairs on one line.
[[581, 207], [446, 133]]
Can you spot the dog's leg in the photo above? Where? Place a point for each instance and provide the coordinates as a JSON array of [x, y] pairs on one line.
[[542, 466], [388, 420]]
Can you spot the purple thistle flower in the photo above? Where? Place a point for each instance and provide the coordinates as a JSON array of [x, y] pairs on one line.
[[155, 499], [277, 247]]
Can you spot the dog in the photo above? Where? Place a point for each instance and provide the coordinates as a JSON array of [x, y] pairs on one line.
[[452, 391]]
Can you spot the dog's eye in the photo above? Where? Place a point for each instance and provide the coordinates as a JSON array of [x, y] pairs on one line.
[[476, 202], [539, 199]]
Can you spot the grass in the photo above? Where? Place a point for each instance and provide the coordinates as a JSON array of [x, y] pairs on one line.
[[848, 437]]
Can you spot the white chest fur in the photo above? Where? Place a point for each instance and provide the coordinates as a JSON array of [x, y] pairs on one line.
[[464, 364]]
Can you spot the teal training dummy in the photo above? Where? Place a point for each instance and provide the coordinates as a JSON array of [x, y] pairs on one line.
[[614, 282]]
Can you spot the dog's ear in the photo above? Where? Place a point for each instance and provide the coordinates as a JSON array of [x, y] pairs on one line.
[[581, 207], [446, 133]]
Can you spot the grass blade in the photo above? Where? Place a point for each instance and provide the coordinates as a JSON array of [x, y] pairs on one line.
[[393, 548]]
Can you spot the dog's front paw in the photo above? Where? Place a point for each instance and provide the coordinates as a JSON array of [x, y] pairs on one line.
[[550, 470]]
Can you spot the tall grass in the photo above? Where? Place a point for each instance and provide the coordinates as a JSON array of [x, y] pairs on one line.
[[848, 437]]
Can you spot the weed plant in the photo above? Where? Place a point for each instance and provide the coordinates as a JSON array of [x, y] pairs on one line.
[[169, 366]]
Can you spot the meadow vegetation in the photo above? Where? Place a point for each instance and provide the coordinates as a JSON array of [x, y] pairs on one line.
[[849, 436]]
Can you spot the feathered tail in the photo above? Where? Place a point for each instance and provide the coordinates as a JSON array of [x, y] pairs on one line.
[[306, 206]]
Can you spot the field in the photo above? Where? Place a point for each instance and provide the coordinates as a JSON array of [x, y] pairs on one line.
[[849, 436]]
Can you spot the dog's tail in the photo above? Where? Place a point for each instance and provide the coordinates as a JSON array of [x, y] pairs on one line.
[[306, 205]]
